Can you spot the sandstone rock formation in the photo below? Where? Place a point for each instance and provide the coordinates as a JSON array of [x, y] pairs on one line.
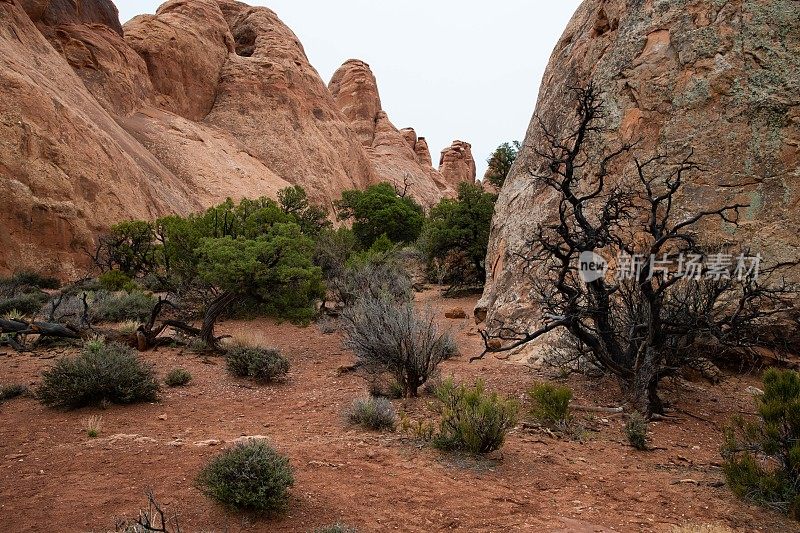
[[204, 100], [457, 164], [399, 156], [721, 77]]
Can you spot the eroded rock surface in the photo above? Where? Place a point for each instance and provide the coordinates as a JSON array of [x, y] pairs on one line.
[[206, 99], [721, 77], [398, 156]]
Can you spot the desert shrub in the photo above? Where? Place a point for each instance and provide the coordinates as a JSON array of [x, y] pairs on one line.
[[457, 235], [24, 304], [636, 431], [380, 210], [94, 424], [260, 364], [372, 413], [114, 280], [34, 279], [8, 392], [550, 402], [121, 306], [373, 275], [249, 477], [102, 373], [472, 419], [384, 385], [178, 377], [336, 528], [390, 337], [762, 457]]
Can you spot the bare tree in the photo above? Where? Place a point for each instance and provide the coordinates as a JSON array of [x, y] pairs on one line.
[[640, 328]]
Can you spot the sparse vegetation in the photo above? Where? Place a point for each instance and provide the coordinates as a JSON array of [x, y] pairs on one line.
[[178, 377], [249, 477], [550, 403], [336, 528], [372, 413], [154, 518], [762, 457], [472, 419], [121, 306], [114, 280], [101, 373], [94, 424], [391, 337], [636, 430], [23, 304], [15, 390], [263, 365]]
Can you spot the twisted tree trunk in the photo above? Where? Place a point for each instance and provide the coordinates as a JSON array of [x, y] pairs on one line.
[[215, 309]]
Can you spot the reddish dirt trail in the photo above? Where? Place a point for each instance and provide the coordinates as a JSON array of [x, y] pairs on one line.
[[53, 477]]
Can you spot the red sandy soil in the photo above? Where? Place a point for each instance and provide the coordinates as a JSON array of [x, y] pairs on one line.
[[53, 477]]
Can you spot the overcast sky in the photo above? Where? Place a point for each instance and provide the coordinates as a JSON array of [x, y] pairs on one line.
[[451, 69]]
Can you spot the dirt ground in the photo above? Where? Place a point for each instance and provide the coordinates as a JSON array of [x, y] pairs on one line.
[[53, 477]]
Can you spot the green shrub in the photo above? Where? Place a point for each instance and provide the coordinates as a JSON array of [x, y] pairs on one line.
[[178, 377], [121, 306], [34, 279], [456, 236], [550, 403], [102, 373], [380, 210], [7, 392], [372, 413], [249, 477], [762, 457], [24, 304], [260, 364], [472, 419], [114, 280], [636, 431]]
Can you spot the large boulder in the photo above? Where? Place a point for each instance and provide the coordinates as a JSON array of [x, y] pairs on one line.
[[720, 77]]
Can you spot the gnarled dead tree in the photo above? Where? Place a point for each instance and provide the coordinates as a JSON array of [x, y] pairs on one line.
[[642, 327]]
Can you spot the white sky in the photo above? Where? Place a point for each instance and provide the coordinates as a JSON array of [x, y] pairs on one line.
[[450, 69]]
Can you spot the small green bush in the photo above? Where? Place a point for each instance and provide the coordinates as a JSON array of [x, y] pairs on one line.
[[178, 377], [472, 419], [550, 403], [762, 457], [34, 279], [120, 306], [260, 364], [636, 431], [24, 304], [249, 477], [102, 373], [114, 280], [372, 413], [7, 392]]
